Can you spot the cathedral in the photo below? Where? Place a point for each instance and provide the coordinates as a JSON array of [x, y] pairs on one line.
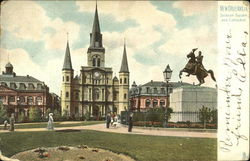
[[95, 91]]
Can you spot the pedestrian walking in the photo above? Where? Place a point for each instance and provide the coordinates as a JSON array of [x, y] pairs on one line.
[[108, 120], [130, 124], [50, 125], [115, 120], [12, 122], [5, 124]]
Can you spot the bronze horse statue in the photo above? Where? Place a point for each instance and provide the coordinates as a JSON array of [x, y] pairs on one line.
[[193, 69]]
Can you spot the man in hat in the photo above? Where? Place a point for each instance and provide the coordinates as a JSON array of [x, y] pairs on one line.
[[199, 60], [108, 120]]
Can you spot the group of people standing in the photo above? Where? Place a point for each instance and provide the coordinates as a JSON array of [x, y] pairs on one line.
[[113, 121], [11, 121]]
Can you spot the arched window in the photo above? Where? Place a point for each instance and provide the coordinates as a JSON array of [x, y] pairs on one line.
[[67, 94], [155, 103], [103, 94], [98, 62], [125, 80], [125, 96], [93, 62], [155, 90], [30, 100], [77, 96], [162, 103], [120, 81], [2, 98], [67, 78], [39, 100], [63, 78], [97, 94], [11, 99], [90, 94], [21, 99], [147, 103]]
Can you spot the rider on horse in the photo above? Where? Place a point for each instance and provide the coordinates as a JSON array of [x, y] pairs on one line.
[[195, 67], [194, 62], [199, 64]]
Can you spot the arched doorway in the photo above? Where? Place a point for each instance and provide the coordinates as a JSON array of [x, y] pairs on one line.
[[96, 113]]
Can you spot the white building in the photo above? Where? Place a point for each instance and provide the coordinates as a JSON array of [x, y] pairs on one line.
[[187, 100]]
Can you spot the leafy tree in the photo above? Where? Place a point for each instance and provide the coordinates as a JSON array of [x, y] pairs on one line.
[[47, 113], [35, 114], [65, 115], [214, 116], [21, 117], [169, 111], [56, 115], [3, 112], [205, 115]]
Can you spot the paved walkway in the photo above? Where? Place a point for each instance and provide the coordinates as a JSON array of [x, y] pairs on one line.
[[139, 131]]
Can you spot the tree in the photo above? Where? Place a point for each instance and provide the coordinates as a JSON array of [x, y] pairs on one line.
[[169, 111], [65, 115], [3, 112], [47, 113], [214, 116], [21, 117], [205, 115], [56, 115], [35, 114]]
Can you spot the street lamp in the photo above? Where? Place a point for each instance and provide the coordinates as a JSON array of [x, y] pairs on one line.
[[167, 73]]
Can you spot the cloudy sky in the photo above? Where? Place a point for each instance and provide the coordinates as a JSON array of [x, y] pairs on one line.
[[33, 34]]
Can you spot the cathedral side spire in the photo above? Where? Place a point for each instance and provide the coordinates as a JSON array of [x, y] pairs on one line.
[[124, 65], [67, 65]]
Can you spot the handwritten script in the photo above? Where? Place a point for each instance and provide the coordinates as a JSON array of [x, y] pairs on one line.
[[233, 89]]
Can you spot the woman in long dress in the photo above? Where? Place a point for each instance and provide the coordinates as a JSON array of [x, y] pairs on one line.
[[50, 125]]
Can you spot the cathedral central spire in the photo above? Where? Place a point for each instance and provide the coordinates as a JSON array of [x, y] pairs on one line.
[[96, 36], [96, 25]]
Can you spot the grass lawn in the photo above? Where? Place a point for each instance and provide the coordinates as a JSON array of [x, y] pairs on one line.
[[56, 124], [139, 147]]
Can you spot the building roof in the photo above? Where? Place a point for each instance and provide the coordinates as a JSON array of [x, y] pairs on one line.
[[22, 83], [67, 59], [124, 65], [115, 78], [7, 78], [161, 83], [8, 65]]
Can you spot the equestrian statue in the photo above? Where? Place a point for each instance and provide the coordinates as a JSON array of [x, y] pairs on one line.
[[195, 67]]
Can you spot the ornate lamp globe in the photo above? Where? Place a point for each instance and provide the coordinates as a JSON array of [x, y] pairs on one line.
[[167, 73]]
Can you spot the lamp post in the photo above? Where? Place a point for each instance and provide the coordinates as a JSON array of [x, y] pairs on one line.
[[167, 73]]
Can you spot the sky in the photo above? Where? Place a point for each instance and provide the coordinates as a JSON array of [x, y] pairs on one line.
[[157, 33]]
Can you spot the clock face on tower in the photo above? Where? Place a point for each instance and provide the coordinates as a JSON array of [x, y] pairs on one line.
[[97, 75]]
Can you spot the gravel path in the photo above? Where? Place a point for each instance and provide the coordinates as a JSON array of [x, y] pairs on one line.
[[138, 131]]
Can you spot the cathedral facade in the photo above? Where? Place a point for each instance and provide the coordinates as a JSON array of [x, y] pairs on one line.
[[95, 91]]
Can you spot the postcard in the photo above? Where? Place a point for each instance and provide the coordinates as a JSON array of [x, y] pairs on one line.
[[124, 80]]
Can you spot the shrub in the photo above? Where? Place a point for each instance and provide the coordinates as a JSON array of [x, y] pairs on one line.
[[3, 113], [205, 115], [214, 116], [35, 114], [21, 117]]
